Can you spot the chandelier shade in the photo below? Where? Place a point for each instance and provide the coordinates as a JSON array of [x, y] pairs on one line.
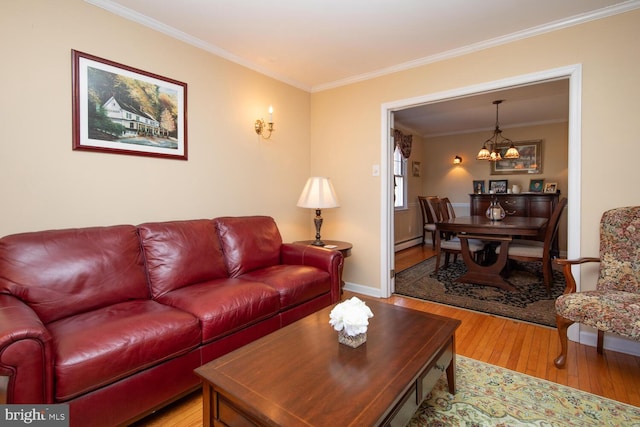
[[491, 148]]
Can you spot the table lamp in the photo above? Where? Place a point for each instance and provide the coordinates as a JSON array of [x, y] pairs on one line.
[[318, 193]]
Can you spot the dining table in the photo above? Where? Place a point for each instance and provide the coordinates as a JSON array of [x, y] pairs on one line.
[[501, 232]]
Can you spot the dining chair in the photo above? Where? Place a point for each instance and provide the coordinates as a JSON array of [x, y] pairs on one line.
[[447, 242], [614, 306], [447, 208], [534, 250], [428, 221]]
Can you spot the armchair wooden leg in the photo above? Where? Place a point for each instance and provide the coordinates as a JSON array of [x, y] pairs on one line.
[[600, 346], [562, 324]]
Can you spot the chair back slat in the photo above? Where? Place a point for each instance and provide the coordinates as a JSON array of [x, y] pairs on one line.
[[554, 223], [447, 208], [434, 207], [427, 215]]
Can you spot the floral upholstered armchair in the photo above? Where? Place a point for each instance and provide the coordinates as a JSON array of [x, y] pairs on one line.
[[615, 304]]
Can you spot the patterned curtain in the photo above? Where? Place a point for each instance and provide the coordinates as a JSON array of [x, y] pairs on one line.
[[403, 142]]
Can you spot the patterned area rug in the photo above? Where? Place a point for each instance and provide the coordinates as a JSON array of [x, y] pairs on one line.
[[529, 302], [488, 395]]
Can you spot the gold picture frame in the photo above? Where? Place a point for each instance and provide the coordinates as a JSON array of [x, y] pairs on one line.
[[551, 187], [529, 162]]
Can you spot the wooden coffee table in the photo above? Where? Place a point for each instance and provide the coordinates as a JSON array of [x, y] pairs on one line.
[[300, 375]]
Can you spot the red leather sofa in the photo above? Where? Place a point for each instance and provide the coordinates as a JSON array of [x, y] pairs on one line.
[[113, 320]]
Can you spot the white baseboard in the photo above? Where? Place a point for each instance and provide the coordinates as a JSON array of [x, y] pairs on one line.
[[364, 290], [611, 342], [410, 243]]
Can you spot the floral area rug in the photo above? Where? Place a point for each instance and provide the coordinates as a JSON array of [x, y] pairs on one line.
[[529, 302], [488, 395]]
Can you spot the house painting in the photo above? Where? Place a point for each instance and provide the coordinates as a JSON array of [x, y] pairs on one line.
[[134, 121]]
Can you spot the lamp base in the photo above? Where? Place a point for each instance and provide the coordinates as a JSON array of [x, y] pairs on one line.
[[318, 223]]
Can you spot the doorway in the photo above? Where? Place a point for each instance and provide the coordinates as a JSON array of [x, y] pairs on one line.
[[572, 73]]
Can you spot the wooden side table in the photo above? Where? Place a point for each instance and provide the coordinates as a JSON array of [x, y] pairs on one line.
[[336, 245]]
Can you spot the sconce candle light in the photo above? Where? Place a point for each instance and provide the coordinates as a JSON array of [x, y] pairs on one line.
[[457, 160], [262, 128]]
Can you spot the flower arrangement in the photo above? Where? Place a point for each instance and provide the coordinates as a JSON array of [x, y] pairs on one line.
[[352, 316]]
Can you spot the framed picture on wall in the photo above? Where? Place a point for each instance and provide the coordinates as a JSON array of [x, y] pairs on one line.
[[123, 110], [415, 167], [498, 186], [530, 160], [478, 186]]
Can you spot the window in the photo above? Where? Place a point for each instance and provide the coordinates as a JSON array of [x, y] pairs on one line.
[[399, 179]]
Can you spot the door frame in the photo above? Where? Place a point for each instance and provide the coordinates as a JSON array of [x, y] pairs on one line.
[[571, 72]]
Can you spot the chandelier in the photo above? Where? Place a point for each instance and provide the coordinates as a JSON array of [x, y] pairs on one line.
[[496, 143]]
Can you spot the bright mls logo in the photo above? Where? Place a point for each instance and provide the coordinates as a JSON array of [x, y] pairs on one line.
[[36, 415]]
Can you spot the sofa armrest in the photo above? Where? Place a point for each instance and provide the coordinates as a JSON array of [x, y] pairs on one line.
[[324, 259], [568, 274], [26, 360]]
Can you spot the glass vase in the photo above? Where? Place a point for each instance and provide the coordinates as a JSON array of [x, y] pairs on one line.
[[351, 341], [495, 212]]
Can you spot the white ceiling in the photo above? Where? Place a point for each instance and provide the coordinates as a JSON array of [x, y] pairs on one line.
[[318, 44]]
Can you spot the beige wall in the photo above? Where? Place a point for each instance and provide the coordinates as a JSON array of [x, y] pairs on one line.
[[346, 126], [230, 170], [455, 181]]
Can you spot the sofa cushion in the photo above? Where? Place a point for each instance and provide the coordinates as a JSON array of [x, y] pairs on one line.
[[59, 273], [100, 347], [295, 283], [225, 305], [181, 253], [249, 243]]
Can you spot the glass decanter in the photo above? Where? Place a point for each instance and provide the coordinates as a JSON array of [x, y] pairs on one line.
[[495, 212]]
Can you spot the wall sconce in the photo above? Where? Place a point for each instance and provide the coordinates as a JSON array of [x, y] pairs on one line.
[[457, 160], [262, 128]]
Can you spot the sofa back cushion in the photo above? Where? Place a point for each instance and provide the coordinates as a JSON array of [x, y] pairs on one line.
[[249, 243], [181, 253], [60, 273]]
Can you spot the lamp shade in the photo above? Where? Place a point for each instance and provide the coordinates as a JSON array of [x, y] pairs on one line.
[[318, 193]]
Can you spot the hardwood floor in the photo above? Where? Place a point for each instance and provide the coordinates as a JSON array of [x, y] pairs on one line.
[[522, 347], [411, 256]]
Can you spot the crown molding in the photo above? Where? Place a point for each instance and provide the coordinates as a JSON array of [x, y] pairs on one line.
[[141, 19], [156, 25], [475, 47]]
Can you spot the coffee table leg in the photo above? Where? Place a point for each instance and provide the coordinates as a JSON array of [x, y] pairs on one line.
[[207, 396], [451, 375]]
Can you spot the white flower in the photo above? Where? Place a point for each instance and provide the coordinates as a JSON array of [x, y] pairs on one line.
[[351, 315]]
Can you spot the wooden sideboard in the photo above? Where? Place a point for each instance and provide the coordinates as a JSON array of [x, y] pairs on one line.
[[521, 204]]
